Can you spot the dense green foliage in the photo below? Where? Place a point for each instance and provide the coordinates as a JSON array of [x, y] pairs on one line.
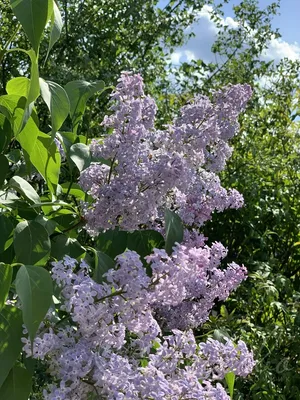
[[99, 39]]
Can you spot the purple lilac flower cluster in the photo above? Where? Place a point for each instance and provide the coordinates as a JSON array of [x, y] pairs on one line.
[[151, 168], [114, 346]]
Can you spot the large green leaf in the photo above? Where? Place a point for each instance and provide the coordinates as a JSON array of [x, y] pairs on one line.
[[18, 86], [10, 340], [80, 155], [112, 242], [79, 92], [34, 288], [75, 190], [48, 224], [4, 166], [17, 385], [33, 89], [42, 153], [6, 229], [25, 189], [103, 263], [174, 230], [143, 242], [62, 245], [12, 106], [57, 102], [38, 147], [5, 281], [33, 16], [31, 242], [5, 133], [56, 27]]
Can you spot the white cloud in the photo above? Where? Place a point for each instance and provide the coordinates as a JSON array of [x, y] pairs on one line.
[[279, 49], [205, 31]]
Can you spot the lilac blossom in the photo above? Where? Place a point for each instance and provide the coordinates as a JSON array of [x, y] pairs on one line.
[[152, 168], [120, 323]]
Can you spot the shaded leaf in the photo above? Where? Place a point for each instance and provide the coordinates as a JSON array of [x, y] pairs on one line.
[[5, 281], [79, 92], [174, 230], [143, 242], [17, 385], [57, 102], [24, 188], [34, 288], [112, 242], [56, 28], [6, 229], [33, 16], [4, 167], [62, 245], [103, 263], [5, 133], [11, 332], [31, 242], [80, 155]]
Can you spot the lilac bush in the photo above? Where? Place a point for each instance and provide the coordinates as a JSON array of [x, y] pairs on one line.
[[131, 335]]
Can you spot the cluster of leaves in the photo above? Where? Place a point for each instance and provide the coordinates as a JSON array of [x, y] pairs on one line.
[[39, 217]]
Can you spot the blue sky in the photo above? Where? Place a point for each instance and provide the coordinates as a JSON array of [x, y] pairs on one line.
[[288, 22]]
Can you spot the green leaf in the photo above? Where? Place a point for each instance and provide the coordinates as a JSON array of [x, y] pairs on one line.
[[75, 190], [31, 242], [19, 86], [223, 311], [112, 242], [56, 28], [34, 288], [33, 16], [65, 219], [79, 92], [5, 281], [5, 133], [103, 263], [14, 105], [143, 242], [14, 155], [17, 385], [80, 155], [24, 188], [38, 147], [229, 377], [11, 332], [174, 230], [4, 167], [62, 245], [221, 335], [33, 89], [42, 153], [6, 229], [57, 102], [48, 224]]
